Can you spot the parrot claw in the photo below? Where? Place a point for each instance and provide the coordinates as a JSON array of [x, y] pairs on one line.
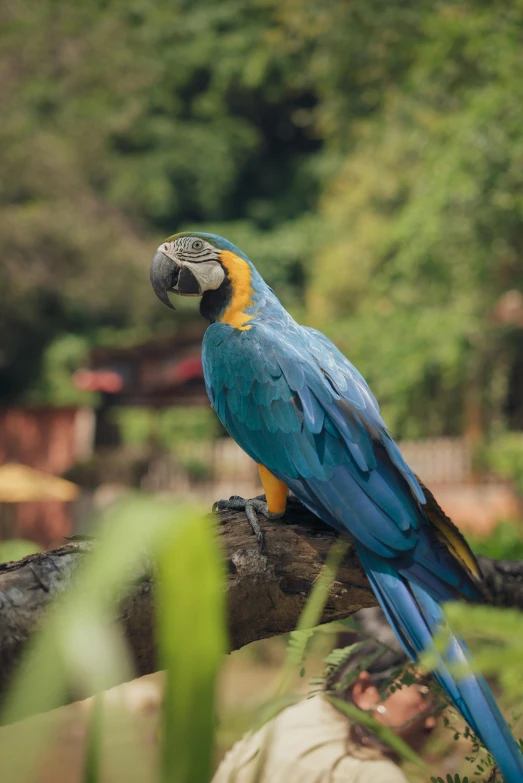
[[252, 507]]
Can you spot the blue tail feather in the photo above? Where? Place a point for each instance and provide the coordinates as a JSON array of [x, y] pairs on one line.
[[416, 616]]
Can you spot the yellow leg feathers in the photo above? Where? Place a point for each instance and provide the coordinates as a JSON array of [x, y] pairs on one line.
[[275, 492]]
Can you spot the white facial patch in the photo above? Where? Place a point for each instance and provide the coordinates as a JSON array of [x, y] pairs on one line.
[[209, 274]]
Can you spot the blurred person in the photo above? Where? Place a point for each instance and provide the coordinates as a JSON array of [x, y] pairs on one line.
[[313, 742]]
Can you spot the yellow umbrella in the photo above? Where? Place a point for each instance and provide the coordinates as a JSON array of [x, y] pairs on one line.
[[22, 484]]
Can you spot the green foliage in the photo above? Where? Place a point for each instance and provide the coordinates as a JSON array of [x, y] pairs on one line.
[[124, 123], [504, 455], [426, 216], [169, 428], [186, 610], [336, 657], [135, 424], [366, 155], [504, 542], [16, 549], [80, 650], [60, 359], [180, 425], [478, 756], [94, 743], [339, 656], [197, 469], [496, 638]]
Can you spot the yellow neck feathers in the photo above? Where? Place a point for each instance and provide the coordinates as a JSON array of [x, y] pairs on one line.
[[242, 291]]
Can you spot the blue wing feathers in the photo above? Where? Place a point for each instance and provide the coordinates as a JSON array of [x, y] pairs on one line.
[[313, 412], [264, 393], [243, 383], [253, 419], [269, 419], [293, 372], [267, 386], [397, 459], [296, 405], [285, 416]]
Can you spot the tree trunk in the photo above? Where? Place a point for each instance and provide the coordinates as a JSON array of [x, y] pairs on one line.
[[266, 592]]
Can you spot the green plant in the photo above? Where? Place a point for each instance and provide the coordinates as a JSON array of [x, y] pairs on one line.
[[504, 455], [496, 638], [494, 635], [61, 358], [79, 649], [168, 428], [136, 424], [197, 469], [17, 548], [504, 542]]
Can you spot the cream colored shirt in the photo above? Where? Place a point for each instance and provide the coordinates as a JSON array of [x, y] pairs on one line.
[[306, 743]]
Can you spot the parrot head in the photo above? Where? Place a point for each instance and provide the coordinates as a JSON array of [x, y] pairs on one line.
[[211, 267], [188, 265]]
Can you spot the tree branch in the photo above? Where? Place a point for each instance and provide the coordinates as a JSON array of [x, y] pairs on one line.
[[266, 592]]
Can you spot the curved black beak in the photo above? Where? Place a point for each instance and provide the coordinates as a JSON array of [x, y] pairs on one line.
[[164, 276]]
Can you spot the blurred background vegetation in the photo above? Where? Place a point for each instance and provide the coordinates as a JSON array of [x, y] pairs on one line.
[[366, 155]]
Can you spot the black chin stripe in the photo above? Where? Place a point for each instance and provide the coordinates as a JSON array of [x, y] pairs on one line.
[[215, 302]]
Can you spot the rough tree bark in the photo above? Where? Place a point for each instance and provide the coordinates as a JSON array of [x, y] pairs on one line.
[[266, 592]]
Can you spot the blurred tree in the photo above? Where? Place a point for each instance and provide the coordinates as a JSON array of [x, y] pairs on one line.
[[124, 122], [426, 214]]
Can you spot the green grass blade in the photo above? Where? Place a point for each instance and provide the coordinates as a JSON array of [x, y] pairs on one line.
[[93, 750], [191, 640], [80, 650]]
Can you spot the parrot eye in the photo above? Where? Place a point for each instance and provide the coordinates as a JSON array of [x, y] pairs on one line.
[[197, 245]]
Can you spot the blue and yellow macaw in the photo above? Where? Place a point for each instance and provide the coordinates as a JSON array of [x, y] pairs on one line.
[[301, 410]]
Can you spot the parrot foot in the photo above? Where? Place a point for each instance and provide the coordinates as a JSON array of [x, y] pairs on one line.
[[252, 507]]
